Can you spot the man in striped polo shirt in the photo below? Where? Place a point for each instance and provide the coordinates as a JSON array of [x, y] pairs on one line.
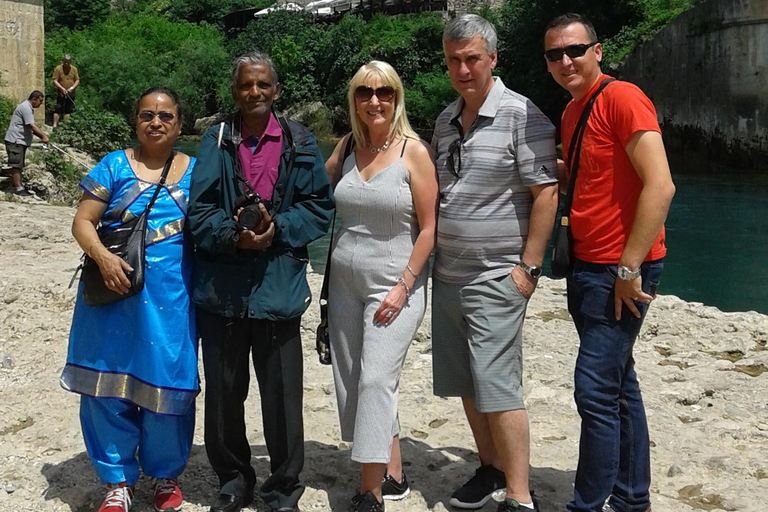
[[496, 161]]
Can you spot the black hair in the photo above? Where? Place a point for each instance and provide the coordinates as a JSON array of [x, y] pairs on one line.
[[565, 20], [162, 90], [35, 94]]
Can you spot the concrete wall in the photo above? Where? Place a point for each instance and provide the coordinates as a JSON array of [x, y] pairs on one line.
[[707, 74], [21, 49]]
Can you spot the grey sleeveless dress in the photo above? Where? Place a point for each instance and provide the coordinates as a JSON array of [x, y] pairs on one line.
[[372, 248]]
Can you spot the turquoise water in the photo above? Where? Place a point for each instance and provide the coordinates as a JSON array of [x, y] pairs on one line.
[[717, 238]]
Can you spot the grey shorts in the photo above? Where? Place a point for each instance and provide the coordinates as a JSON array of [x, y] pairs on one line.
[[477, 342], [16, 155]]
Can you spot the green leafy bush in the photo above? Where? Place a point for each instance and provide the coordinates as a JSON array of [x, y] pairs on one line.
[[7, 105], [93, 131], [126, 54]]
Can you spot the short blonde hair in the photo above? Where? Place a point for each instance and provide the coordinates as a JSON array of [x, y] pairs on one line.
[[388, 76]]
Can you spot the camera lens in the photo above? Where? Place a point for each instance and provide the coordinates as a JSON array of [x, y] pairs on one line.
[[249, 217]]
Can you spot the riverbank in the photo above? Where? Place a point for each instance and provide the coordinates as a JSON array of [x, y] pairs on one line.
[[701, 372]]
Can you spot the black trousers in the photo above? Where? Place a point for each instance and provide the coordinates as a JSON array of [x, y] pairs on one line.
[[275, 348]]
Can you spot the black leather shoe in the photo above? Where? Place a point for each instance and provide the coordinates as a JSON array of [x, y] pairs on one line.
[[230, 503]]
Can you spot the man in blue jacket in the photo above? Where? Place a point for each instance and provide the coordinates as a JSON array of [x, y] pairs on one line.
[[249, 282]]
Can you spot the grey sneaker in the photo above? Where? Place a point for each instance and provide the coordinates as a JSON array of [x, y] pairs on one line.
[[480, 488], [393, 490]]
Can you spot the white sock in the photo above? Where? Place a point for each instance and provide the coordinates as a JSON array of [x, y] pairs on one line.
[[19, 189], [526, 505]]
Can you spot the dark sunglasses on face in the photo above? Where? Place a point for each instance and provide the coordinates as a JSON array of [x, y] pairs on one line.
[[573, 51], [384, 93], [164, 116], [454, 158]]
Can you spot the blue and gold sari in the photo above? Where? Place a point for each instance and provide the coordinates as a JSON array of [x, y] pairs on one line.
[[142, 349]]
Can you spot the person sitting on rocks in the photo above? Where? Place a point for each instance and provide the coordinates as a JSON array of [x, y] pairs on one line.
[[134, 362], [18, 138]]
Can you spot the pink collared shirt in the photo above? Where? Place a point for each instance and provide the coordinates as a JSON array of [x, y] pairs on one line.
[[260, 158]]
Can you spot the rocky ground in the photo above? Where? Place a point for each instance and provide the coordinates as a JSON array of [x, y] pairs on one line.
[[702, 373]]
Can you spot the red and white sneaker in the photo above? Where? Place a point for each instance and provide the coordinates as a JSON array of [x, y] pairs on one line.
[[117, 498], [167, 495]]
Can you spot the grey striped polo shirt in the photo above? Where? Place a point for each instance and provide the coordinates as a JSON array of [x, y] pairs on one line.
[[483, 221]]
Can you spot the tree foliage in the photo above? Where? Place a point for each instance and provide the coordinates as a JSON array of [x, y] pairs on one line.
[[126, 54], [180, 44], [620, 25], [93, 131]]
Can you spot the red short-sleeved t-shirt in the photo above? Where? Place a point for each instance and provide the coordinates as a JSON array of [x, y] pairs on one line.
[[607, 185]]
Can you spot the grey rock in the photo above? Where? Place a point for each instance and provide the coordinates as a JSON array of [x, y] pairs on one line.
[[674, 470], [202, 124]]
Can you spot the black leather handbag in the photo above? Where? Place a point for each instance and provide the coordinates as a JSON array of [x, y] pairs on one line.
[[128, 242], [323, 337], [562, 247]]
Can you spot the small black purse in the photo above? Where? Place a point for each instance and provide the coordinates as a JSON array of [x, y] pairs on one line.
[[322, 336], [126, 241], [562, 248]]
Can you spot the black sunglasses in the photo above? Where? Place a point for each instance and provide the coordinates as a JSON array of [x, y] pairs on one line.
[[454, 157], [164, 116], [573, 51], [384, 93]]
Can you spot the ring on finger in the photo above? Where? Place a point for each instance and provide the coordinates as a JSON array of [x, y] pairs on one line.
[[389, 314]]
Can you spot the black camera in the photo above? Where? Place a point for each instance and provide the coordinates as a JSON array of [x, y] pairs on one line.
[[250, 216]]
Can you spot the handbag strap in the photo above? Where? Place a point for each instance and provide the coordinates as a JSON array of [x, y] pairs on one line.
[[161, 182], [574, 149], [327, 275]]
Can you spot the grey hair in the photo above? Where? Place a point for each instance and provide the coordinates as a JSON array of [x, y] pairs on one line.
[[466, 26], [257, 58]]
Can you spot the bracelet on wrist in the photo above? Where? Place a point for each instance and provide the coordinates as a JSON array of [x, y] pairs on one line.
[[410, 270], [401, 281]]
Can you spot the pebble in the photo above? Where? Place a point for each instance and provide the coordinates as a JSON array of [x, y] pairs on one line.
[[10, 488], [674, 470], [12, 297]]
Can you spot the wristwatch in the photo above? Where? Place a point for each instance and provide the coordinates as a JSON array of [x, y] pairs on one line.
[[534, 272], [625, 274]]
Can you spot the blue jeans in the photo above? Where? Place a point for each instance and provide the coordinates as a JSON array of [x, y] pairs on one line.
[[614, 449]]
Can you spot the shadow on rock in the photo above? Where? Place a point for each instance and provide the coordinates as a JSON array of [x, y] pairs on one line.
[[433, 473]]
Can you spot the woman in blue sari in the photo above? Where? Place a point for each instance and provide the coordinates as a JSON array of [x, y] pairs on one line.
[[134, 362]]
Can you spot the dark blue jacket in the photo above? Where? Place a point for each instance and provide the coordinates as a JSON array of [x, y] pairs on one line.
[[269, 284]]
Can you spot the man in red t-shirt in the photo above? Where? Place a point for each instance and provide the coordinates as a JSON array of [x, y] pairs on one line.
[[621, 197]]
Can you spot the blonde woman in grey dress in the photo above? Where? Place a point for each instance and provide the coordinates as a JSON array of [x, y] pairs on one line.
[[386, 196]]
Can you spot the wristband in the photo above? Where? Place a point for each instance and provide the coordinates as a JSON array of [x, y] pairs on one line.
[[401, 281]]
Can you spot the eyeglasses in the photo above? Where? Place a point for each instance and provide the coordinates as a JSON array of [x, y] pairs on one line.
[[573, 51], [454, 157], [165, 117], [384, 93]]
